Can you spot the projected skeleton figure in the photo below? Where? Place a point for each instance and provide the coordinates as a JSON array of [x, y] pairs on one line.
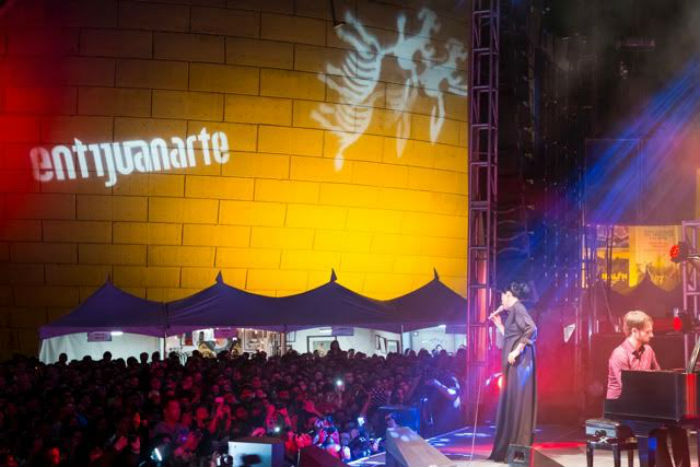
[[356, 80]]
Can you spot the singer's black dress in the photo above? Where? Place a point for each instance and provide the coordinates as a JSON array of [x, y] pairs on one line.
[[517, 404]]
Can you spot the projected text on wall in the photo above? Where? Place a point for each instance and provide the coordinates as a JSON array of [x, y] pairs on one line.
[[111, 159], [426, 69]]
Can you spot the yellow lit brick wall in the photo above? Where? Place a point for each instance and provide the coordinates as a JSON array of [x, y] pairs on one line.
[[278, 215]]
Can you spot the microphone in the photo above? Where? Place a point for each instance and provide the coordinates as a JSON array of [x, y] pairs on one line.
[[498, 311]]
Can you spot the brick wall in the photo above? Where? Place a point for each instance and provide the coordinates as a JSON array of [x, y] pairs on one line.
[[278, 215]]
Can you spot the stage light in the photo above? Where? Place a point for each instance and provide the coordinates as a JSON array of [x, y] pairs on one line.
[[680, 252], [500, 382], [682, 321], [677, 324], [116, 333]]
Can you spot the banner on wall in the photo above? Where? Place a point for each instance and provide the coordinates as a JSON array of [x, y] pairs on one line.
[[637, 251], [617, 237], [649, 246]]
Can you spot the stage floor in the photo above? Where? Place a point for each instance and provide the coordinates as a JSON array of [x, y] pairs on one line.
[[564, 444]]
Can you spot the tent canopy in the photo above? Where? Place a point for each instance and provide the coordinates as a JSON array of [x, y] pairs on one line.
[[110, 309], [648, 296], [328, 305], [433, 304], [222, 306], [331, 304]]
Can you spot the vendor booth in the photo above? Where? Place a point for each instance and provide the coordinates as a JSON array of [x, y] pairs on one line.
[[110, 319], [222, 317]]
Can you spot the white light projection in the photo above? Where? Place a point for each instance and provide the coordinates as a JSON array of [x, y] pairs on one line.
[[434, 72], [109, 159]]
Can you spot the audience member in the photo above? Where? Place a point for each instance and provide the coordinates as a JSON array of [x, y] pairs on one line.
[[112, 413]]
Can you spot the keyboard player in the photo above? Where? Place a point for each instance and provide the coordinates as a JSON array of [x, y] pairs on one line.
[[635, 353]]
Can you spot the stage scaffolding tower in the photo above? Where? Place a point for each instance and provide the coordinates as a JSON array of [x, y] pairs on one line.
[[483, 189], [690, 233], [691, 278]]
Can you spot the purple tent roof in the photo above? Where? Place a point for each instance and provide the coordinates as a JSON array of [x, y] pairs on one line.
[[334, 305], [110, 309], [328, 305], [221, 305], [648, 296], [431, 305]]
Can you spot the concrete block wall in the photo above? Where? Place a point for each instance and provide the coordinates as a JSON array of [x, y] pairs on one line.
[[278, 215]]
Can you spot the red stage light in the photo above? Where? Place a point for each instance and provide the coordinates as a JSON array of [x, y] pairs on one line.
[[677, 324], [675, 251], [500, 382], [680, 252]]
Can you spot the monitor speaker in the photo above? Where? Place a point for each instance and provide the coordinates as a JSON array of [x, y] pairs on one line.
[[312, 456], [257, 452], [527, 456], [404, 448]]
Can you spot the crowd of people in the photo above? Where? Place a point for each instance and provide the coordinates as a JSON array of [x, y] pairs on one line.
[[153, 411]]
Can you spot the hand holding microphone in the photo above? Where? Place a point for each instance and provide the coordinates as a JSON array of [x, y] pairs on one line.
[[495, 318], [498, 311]]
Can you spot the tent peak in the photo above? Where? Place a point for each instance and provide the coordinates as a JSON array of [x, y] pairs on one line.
[[219, 278], [436, 276], [334, 277]]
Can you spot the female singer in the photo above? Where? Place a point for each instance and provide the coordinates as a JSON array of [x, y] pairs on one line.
[[517, 405]]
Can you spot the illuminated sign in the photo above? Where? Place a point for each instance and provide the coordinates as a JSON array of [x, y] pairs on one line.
[[427, 69], [109, 159]]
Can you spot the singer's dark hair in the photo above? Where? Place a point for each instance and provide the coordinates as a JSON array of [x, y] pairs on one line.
[[518, 289]]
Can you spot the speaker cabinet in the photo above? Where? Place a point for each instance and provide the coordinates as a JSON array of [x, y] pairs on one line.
[[527, 456], [404, 448], [312, 456], [254, 452]]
